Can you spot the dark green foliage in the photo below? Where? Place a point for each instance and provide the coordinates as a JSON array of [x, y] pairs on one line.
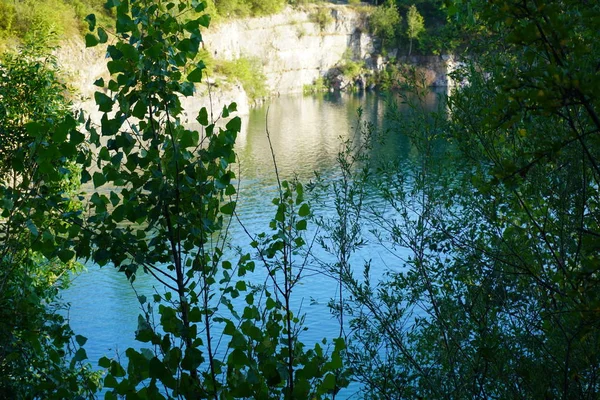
[[498, 296], [442, 33], [39, 143], [171, 201]]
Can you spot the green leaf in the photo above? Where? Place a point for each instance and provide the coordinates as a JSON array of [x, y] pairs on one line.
[[328, 383], [203, 117], [204, 20], [66, 255], [99, 179], [91, 20], [140, 109], [169, 320], [124, 23], [280, 215], [234, 125], [188, 45], [104, 362], [301, 225], [81, 340], [304, 210], [229, 329], [91, 40], [85, 176], [102, 36], [192, 359], [157, 369], [238, 358], [195, 75], [144, 332], [228, 208], [195, 315], [271, 304], [187, 89], [110, 382], [80, 355], [199, 6], [104, 102]]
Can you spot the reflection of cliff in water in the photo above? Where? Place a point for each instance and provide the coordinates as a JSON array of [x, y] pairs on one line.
[[307, 133]]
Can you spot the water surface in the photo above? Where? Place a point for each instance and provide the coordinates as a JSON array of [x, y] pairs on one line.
[[306, 135]]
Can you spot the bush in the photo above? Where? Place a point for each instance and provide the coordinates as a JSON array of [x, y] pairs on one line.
[[38, 143], [321, 17], [64, 18], [265, 7], [250, 74], [245, 8], [319, 85], [385, 21]]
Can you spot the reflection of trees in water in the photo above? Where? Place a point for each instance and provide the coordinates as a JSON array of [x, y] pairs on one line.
[[307, 132]]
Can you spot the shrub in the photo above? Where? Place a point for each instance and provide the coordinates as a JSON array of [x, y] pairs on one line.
[[250, 74], [384, 22], [321, 17], [64, 18], [317, 86]]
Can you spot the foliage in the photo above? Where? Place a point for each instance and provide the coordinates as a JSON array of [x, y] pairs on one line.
[[167, 214], [63, 17], [445, 33], [318, 86], [321, 16], [498, 296], [415, 25], [350, 68], [38, 146], [384, 22], [249, 72], [254, 8]]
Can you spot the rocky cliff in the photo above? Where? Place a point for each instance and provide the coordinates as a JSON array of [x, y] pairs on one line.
[[295, 47]]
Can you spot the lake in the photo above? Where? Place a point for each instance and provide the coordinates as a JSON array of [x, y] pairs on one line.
[[306, 135]]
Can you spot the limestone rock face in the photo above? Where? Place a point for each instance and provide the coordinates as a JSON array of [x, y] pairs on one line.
[[435, 69], [84, 66], [294, 49]]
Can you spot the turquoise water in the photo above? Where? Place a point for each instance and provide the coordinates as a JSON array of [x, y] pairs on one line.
[[306, 135]]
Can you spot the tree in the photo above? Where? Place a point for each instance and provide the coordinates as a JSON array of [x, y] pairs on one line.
[[39, 144], [415, 25], [167, 213], [384, 22], [499, 295]]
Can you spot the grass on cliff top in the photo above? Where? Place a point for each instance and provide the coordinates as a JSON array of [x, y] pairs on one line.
[[64, 18]]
